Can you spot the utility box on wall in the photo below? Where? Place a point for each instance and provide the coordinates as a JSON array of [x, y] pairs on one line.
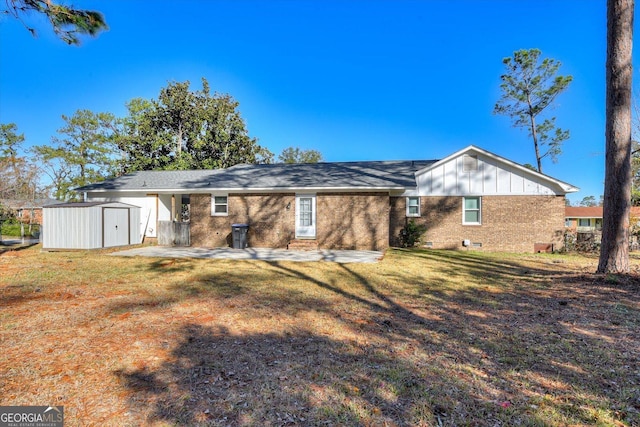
[[90, 225]]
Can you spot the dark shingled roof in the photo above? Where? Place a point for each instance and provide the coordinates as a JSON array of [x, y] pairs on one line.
[[338, 175], [152, 180]]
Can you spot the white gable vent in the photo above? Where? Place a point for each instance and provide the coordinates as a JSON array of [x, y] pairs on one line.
[[469, 163]]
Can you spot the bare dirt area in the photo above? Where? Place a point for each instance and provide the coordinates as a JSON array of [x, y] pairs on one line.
[[421, 338]]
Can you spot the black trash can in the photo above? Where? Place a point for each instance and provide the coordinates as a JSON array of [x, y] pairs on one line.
[[239, 234]]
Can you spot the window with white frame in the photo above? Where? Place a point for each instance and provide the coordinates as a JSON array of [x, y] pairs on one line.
[[584, 222], [471, 210], [219, 205], [413, 206]]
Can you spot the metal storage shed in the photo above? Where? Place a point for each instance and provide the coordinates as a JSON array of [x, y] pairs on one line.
[[90, 225]]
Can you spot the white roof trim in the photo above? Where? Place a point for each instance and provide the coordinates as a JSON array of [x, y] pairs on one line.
[[567, 188]]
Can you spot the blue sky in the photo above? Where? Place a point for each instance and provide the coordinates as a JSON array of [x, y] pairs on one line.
[[356, 80]]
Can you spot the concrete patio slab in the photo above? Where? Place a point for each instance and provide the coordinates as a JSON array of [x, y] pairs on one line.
[[260, 254], [15, 244]]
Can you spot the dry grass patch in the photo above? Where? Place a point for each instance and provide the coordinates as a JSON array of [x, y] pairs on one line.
[[421, 338]]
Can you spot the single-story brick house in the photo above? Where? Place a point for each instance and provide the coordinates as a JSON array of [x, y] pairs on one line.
[[28, 211], [472, 199], [583, 218]]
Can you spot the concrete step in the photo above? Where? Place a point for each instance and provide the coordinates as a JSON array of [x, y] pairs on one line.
[[303, 245]]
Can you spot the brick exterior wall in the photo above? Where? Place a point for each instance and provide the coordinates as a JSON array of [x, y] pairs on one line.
[[343, 220], [353, 220], [271, 224], [373, 221], [509, 223]]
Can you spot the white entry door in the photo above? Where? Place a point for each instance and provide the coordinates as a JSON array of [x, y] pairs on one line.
[[116, 227], [306, 216]]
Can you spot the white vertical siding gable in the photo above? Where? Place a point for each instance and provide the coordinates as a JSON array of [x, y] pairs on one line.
[[492, 177], [503, 181], [450, 177], [477, 178], [517, 183], [489, 178]]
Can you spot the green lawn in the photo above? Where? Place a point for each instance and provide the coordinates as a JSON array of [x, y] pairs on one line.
[[421, 338]]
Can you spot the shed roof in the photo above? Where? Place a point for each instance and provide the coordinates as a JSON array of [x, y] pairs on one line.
[[89, 204]]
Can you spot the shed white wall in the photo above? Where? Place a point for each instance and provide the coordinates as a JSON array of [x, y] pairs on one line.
[[491, 178], [72, 228], [135, 230], [82, 227], [147, 214]]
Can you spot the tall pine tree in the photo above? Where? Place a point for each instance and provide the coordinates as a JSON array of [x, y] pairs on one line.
[[614, 250], [529, 87]]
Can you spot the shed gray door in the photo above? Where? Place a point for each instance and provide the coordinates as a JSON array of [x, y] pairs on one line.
[[115, 230]]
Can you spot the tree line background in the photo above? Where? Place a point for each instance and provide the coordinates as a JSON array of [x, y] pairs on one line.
[[181, 129]]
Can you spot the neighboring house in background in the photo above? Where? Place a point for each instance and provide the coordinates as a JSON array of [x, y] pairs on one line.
[[583, 218], [472, 199], [28, 211], [589, 218]]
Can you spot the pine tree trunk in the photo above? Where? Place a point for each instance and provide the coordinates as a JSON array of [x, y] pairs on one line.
[[614, 252], [534, 135]]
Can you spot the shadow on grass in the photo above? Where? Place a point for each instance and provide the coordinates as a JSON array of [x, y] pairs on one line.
[[459, 263], [465, 355], [171, 265], [292, 379], [19, 294]]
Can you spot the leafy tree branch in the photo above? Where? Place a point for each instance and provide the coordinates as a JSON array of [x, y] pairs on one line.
[[297, 155], [68, 22]]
